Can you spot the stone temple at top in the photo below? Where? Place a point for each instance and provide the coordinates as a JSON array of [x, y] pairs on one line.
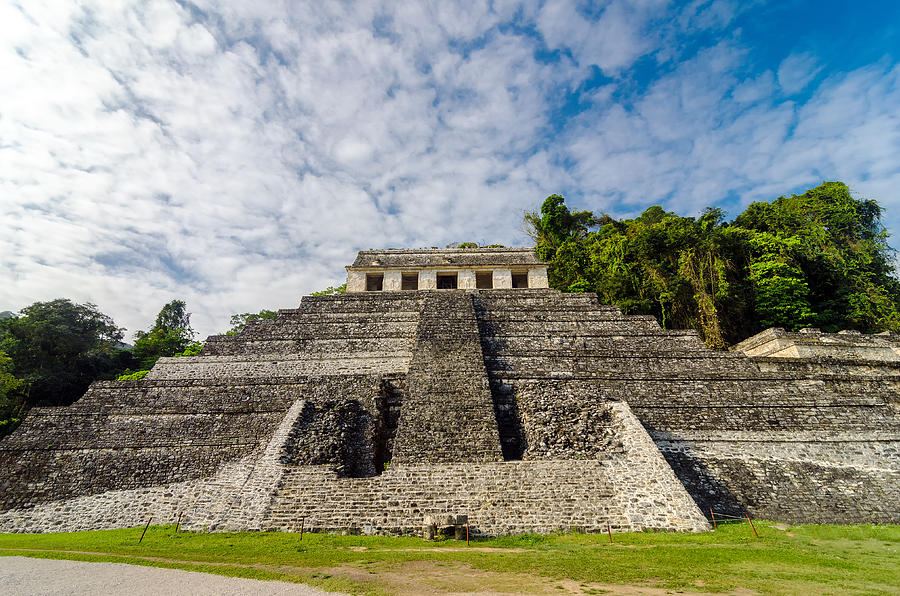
[[446, 269], [451, 385]]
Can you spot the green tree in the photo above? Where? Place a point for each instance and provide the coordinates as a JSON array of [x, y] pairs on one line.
[[330, 290], [238, 322], [12, 396], [820, 258], [59, 347], [173, 315], [170, 335], [834, 257]]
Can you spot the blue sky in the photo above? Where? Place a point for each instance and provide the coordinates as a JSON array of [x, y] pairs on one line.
[[237, 155]]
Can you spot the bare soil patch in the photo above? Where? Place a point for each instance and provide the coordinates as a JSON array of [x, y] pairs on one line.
[[432, 578]]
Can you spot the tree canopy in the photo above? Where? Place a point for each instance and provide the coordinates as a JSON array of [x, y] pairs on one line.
[[816, 259], [56, 349], [331, 290], [173, 315], [12, 395], [238, 322], [171, 335]]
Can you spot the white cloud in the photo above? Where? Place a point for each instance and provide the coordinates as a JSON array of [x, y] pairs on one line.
[[796, 72], [237, 155], [613, 40]]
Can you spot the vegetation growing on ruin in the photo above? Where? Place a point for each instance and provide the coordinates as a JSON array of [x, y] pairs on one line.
[[170, 335], [816, 259], [330, 290], [473, 245], [239, 321], [812, 559]]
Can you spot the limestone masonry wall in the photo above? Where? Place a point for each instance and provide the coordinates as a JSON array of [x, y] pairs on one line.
[[631, 488], [130, 434], [810, 434]]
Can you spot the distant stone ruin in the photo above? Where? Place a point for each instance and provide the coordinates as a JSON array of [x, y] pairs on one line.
[[453, 384]]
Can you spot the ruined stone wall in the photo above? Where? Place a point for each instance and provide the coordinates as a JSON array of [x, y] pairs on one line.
[[794, 476], [129, 434], [812, 343], [829, 366], [234, 493]]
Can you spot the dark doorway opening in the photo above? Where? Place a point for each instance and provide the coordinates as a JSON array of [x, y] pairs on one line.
[[484, 280], [446, 281], [387, 405], [520, 280], [410, 281], [374, 282]]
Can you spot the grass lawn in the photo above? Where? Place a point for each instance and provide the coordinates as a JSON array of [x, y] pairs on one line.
[[820, 559]]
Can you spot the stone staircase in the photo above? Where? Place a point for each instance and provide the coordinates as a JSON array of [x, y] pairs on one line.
[[448, 415]]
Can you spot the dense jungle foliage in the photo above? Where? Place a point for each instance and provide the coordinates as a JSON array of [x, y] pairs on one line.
[[817, 259]]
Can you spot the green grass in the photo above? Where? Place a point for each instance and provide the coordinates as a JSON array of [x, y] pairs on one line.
[[822, 559]]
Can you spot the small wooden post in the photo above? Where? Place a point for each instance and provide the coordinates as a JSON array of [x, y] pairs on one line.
[[145, 529], [751, 524], [715, 525], [301, 527], [178, 523], [467, 531], [609, 531]]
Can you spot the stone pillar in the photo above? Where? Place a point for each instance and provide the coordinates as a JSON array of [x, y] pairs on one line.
[[502, 279], [537, 278], [356, 281], [465, 279], [427, 280], [393, 281]]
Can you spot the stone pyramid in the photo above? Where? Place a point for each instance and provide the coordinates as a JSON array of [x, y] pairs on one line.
[[519, 407]]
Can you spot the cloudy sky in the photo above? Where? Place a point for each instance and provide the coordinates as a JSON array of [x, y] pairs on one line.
[[237, 155]]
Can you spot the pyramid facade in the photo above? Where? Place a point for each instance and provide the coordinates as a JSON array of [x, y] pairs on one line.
[[520, 407]]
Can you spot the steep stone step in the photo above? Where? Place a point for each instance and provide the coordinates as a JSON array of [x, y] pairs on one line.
[[449, 414], [206, 368]]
